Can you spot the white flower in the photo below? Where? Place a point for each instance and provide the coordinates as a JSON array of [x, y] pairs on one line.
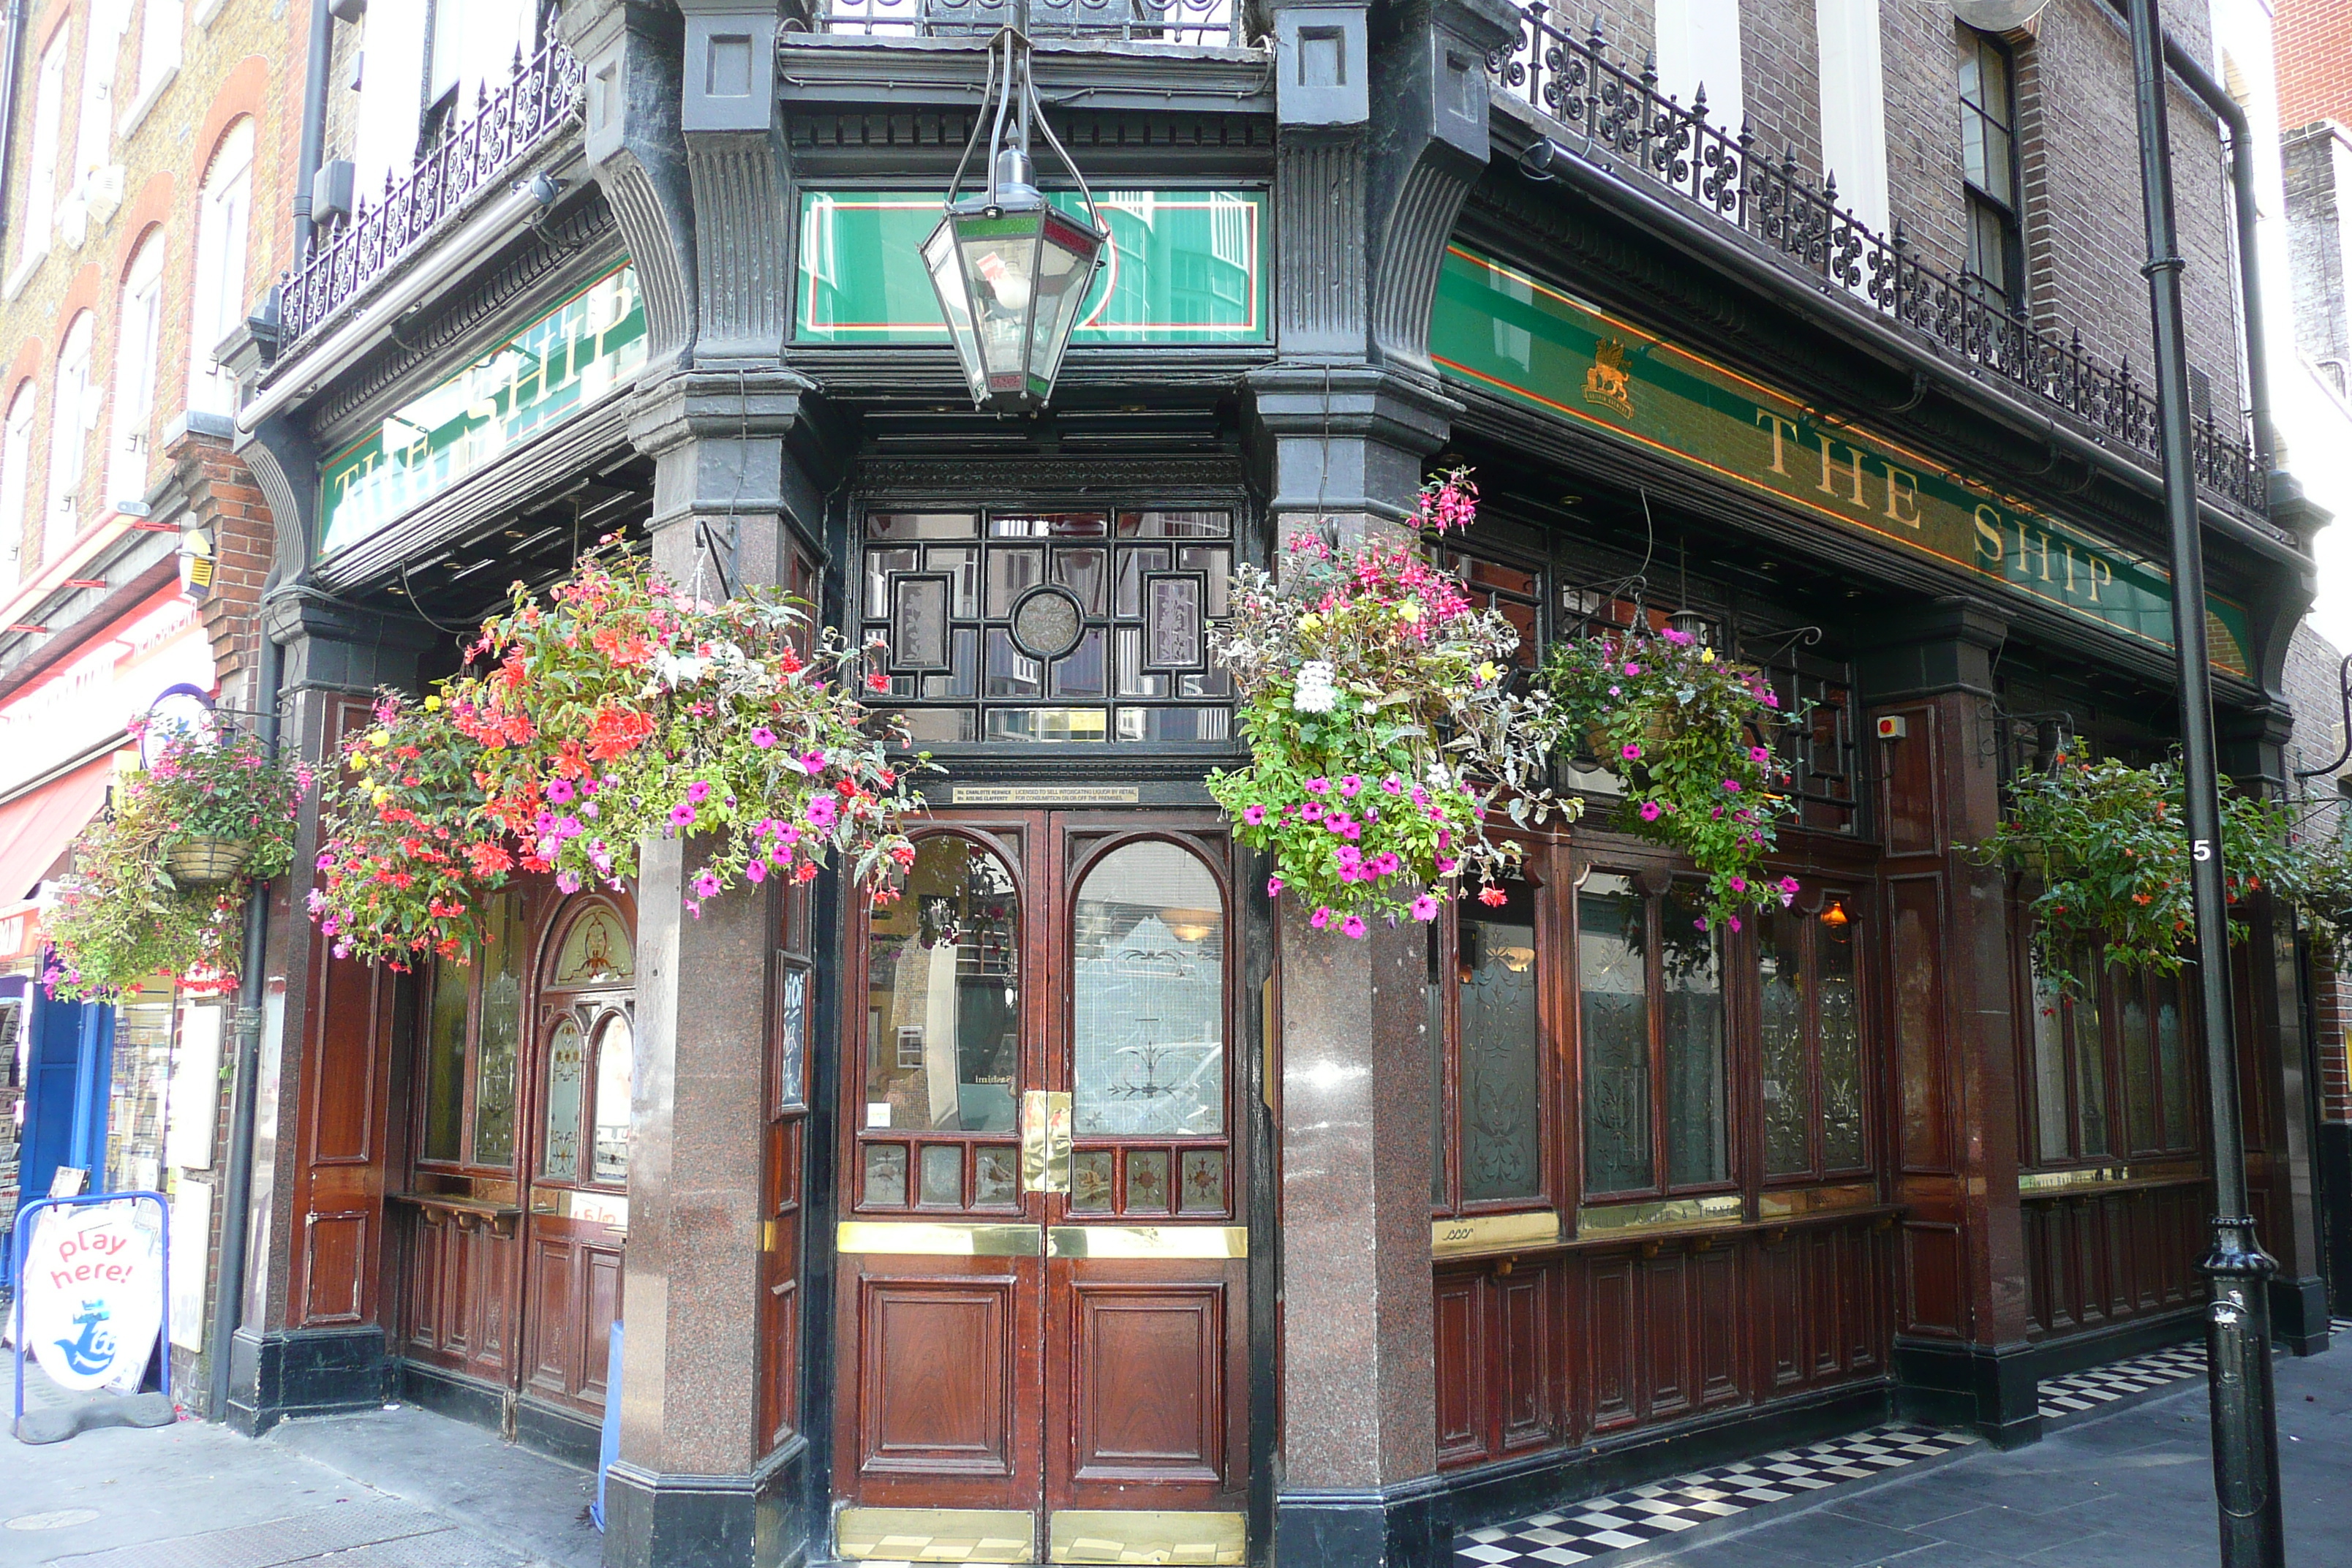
[[1314, 693]]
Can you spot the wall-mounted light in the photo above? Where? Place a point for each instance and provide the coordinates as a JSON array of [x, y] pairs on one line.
[[1835, 914]]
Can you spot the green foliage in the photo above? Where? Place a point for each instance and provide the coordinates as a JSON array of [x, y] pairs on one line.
[[122, 919], [2108, 844], [1691, 737]]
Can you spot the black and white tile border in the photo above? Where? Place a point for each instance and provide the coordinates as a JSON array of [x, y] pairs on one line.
[[2094, 1386], [1643, 1514]]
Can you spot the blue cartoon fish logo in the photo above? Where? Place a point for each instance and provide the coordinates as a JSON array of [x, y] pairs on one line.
[[91, 1351]]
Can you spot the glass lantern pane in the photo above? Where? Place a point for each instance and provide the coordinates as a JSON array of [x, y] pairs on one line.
[[1066, 266], [940, 258], [1000, 266]]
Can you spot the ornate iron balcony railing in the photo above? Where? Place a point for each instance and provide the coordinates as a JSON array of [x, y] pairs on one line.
[[1612, 111], [1216, 22], [543, 94]]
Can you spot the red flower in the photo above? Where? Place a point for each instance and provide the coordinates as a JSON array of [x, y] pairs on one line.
[[617, 731], [875, 681], [489, 859], [1492, 895]]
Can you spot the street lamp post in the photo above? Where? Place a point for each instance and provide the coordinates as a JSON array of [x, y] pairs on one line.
[[1011, 269], [2238, 1324]]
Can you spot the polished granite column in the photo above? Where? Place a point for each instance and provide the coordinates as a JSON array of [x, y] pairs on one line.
[[1358, 1441], [696, 1483]]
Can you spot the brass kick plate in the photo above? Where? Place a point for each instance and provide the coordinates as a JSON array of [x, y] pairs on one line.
[[1145, 1535], [1148, 1241], [1658, 1218], [941, 1240], [936, 1534]]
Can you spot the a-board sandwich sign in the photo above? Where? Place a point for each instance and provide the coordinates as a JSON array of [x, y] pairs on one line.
[[92, 1294]]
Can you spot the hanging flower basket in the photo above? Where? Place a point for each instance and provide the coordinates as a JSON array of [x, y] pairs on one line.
[[206, 861], [1384, 720], [1691, 735]]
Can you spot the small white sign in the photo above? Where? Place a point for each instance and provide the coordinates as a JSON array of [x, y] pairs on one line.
[[93, 1294], [194, 1102], [192, 1230], [877, 1113]]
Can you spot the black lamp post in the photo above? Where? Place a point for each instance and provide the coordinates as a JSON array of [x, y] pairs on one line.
[[2238, 1318], [1010, 267]]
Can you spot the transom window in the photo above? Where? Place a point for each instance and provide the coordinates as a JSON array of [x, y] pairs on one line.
[[1085, 626]]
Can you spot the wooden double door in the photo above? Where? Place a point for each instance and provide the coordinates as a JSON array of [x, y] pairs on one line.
[[1043, 1269]]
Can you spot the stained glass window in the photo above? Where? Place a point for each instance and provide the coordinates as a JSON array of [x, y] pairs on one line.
[[1838, 999], [616, 1061], [1696, 1152], [1810, 1033], [567, 1068], [1787, 1085], [1502, 1044], [472, 1036], [1051, 627], [1612, 992], [501, 1032]]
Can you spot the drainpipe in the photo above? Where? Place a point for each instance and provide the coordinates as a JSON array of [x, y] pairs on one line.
[[2197, 79], [9, 61], [228, 1292], [314, 124]]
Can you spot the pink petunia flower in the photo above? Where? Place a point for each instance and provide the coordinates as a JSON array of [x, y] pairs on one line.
[[1273, 887], [1424, 908], [1253, 814], [1630, 751], [1351, 786], [1320, 918], [1652, 811], [680, 815], [1353, 926]]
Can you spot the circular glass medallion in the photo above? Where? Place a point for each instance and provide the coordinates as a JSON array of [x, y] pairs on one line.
[[1047, 622]]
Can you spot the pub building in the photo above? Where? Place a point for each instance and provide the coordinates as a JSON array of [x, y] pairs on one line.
[[1084, 1204]]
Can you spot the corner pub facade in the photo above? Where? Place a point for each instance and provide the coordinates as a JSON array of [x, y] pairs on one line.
[[1084, 1205]]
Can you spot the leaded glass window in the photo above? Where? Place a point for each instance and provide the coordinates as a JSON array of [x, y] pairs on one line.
[[1810, 1033], [1148, 984], [1650, 1006], [2113, 1066], [1613, 1005], [1050, 627], [943, 979], [473, 1029], [1489, 965]]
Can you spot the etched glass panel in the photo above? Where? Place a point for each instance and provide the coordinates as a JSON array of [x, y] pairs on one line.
[[1502, 1048], [2172, 1068], [616, 1061], [1173, 627], [1204, 1181], [943, 996], [1432, 994], [1149, 986], [596, 950], [444, 1064], [1788, 1089], [1691, 988], [1613, 1004], [1147, 1180], [943, 1176], [918, 623], [501, 1033], [2054, 1135], [886, 1175], [2139, 1064], [566, 1075], [996, 1177], [1837, 995], [1090, 1181], [2090, 1061], [1086, 573]]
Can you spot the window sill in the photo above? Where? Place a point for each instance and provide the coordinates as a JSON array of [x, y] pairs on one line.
[[16, 282], [208, 12], [136, 115]]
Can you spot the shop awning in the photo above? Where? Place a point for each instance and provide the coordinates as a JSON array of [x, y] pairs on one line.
[[36, 827]]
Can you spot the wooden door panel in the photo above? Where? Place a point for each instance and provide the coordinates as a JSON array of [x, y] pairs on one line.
[[936, 1372], [1716, 1281], [599, 1299], [426, 1266], [550, 1355], [1461, 1370], [492, 1274], [1784, 1297], [1523, 1313], [1149, 1397], [1665, 1322], [1612, 1344]]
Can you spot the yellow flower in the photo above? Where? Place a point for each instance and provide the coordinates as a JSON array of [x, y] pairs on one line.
[[1706, 656], [382, 796], [1409, 611], [1487, 672], [380, 740], [1309, 621], [433, 705]]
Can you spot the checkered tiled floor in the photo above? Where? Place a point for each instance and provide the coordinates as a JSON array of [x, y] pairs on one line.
[[1646, 1513], [2087, 1390]]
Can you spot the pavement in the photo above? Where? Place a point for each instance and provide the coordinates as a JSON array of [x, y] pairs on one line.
[[2128, 1484]]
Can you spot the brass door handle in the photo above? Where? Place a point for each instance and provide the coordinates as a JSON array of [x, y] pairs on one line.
[[1044, 1140]]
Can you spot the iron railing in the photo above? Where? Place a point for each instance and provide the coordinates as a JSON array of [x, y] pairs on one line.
[[543, 94], [1216, 22], [1609, 110]]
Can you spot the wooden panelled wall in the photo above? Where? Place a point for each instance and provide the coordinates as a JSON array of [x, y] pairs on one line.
[[1580, 1345]]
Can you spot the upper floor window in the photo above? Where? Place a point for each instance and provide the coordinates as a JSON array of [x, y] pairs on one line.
[[224, 211], [41, 164], [1989, 160], [1051, 627], [69, 424], [139, 342], [101, 52], [16, 481], [159, 46]]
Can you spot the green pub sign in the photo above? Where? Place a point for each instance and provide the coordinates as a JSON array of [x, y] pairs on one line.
[[1500, 330], [566, 361], [1183, 267]]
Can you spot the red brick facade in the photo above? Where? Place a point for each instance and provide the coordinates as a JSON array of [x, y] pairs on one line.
[[2314, 40]]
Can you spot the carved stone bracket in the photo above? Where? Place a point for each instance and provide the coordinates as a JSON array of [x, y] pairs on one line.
[[736, 457], [635, 148]]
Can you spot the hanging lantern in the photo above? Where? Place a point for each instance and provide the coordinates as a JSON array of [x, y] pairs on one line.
[[1010, 267]]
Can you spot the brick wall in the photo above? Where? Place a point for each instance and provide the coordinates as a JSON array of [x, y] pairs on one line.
[[2313, 44], [2318, 168], [2310, 685]]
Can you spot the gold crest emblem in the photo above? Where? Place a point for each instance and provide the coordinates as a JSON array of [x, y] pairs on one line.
[[1609, 383]]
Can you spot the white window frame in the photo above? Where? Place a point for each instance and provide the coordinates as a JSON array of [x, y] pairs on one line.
[[102, 53], [16, 480], [163, 25], [224, 218], [69, 422], [41, 164], [138, 351]]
